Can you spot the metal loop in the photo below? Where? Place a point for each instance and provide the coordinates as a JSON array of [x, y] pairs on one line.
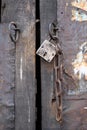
[[59, 116], [14, 32], [59, 91], [52, 31]]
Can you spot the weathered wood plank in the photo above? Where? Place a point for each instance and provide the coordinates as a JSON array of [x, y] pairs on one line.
[[7, 75], [25, 82], [72, 20], [23, 13], [48, 13]]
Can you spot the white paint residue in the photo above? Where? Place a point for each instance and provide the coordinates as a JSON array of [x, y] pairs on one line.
[[21, 70], [80, 63], [28, 111], [78, 13], [80, 68], [85, 108]]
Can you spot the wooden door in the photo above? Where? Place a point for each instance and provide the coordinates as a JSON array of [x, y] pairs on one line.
[[72, 23], [48, 13], [17, 66]]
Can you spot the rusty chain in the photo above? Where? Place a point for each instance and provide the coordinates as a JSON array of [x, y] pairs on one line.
[[58, 87], [57, 90]]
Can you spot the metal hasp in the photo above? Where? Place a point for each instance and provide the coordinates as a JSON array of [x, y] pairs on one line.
[[48, 48]]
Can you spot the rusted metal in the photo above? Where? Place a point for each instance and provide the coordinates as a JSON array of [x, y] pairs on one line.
[[48, 50], [57, 92], [58, 89]]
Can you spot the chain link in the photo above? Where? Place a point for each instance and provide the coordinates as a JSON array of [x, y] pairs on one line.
[[58, 87], [57, 90]]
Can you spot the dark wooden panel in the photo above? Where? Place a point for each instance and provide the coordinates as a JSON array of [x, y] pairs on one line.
[[48, 13], [17, 10], [25, 82], [23, 12], [72, 20], [7, 83]]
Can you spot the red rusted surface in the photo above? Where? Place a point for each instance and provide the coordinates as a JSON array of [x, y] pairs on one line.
[[72, 20]]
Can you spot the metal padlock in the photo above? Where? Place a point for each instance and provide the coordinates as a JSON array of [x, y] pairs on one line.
[[47, 51]]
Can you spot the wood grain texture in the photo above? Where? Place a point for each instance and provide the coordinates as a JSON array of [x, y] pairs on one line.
[[23, 13], [7, 76], [73, 35], [48, 13]]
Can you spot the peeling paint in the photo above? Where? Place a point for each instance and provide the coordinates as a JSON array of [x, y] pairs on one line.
[[74, 44], [80, 67], [82, 4], [80, 63], [76, 15], [79, 13]]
